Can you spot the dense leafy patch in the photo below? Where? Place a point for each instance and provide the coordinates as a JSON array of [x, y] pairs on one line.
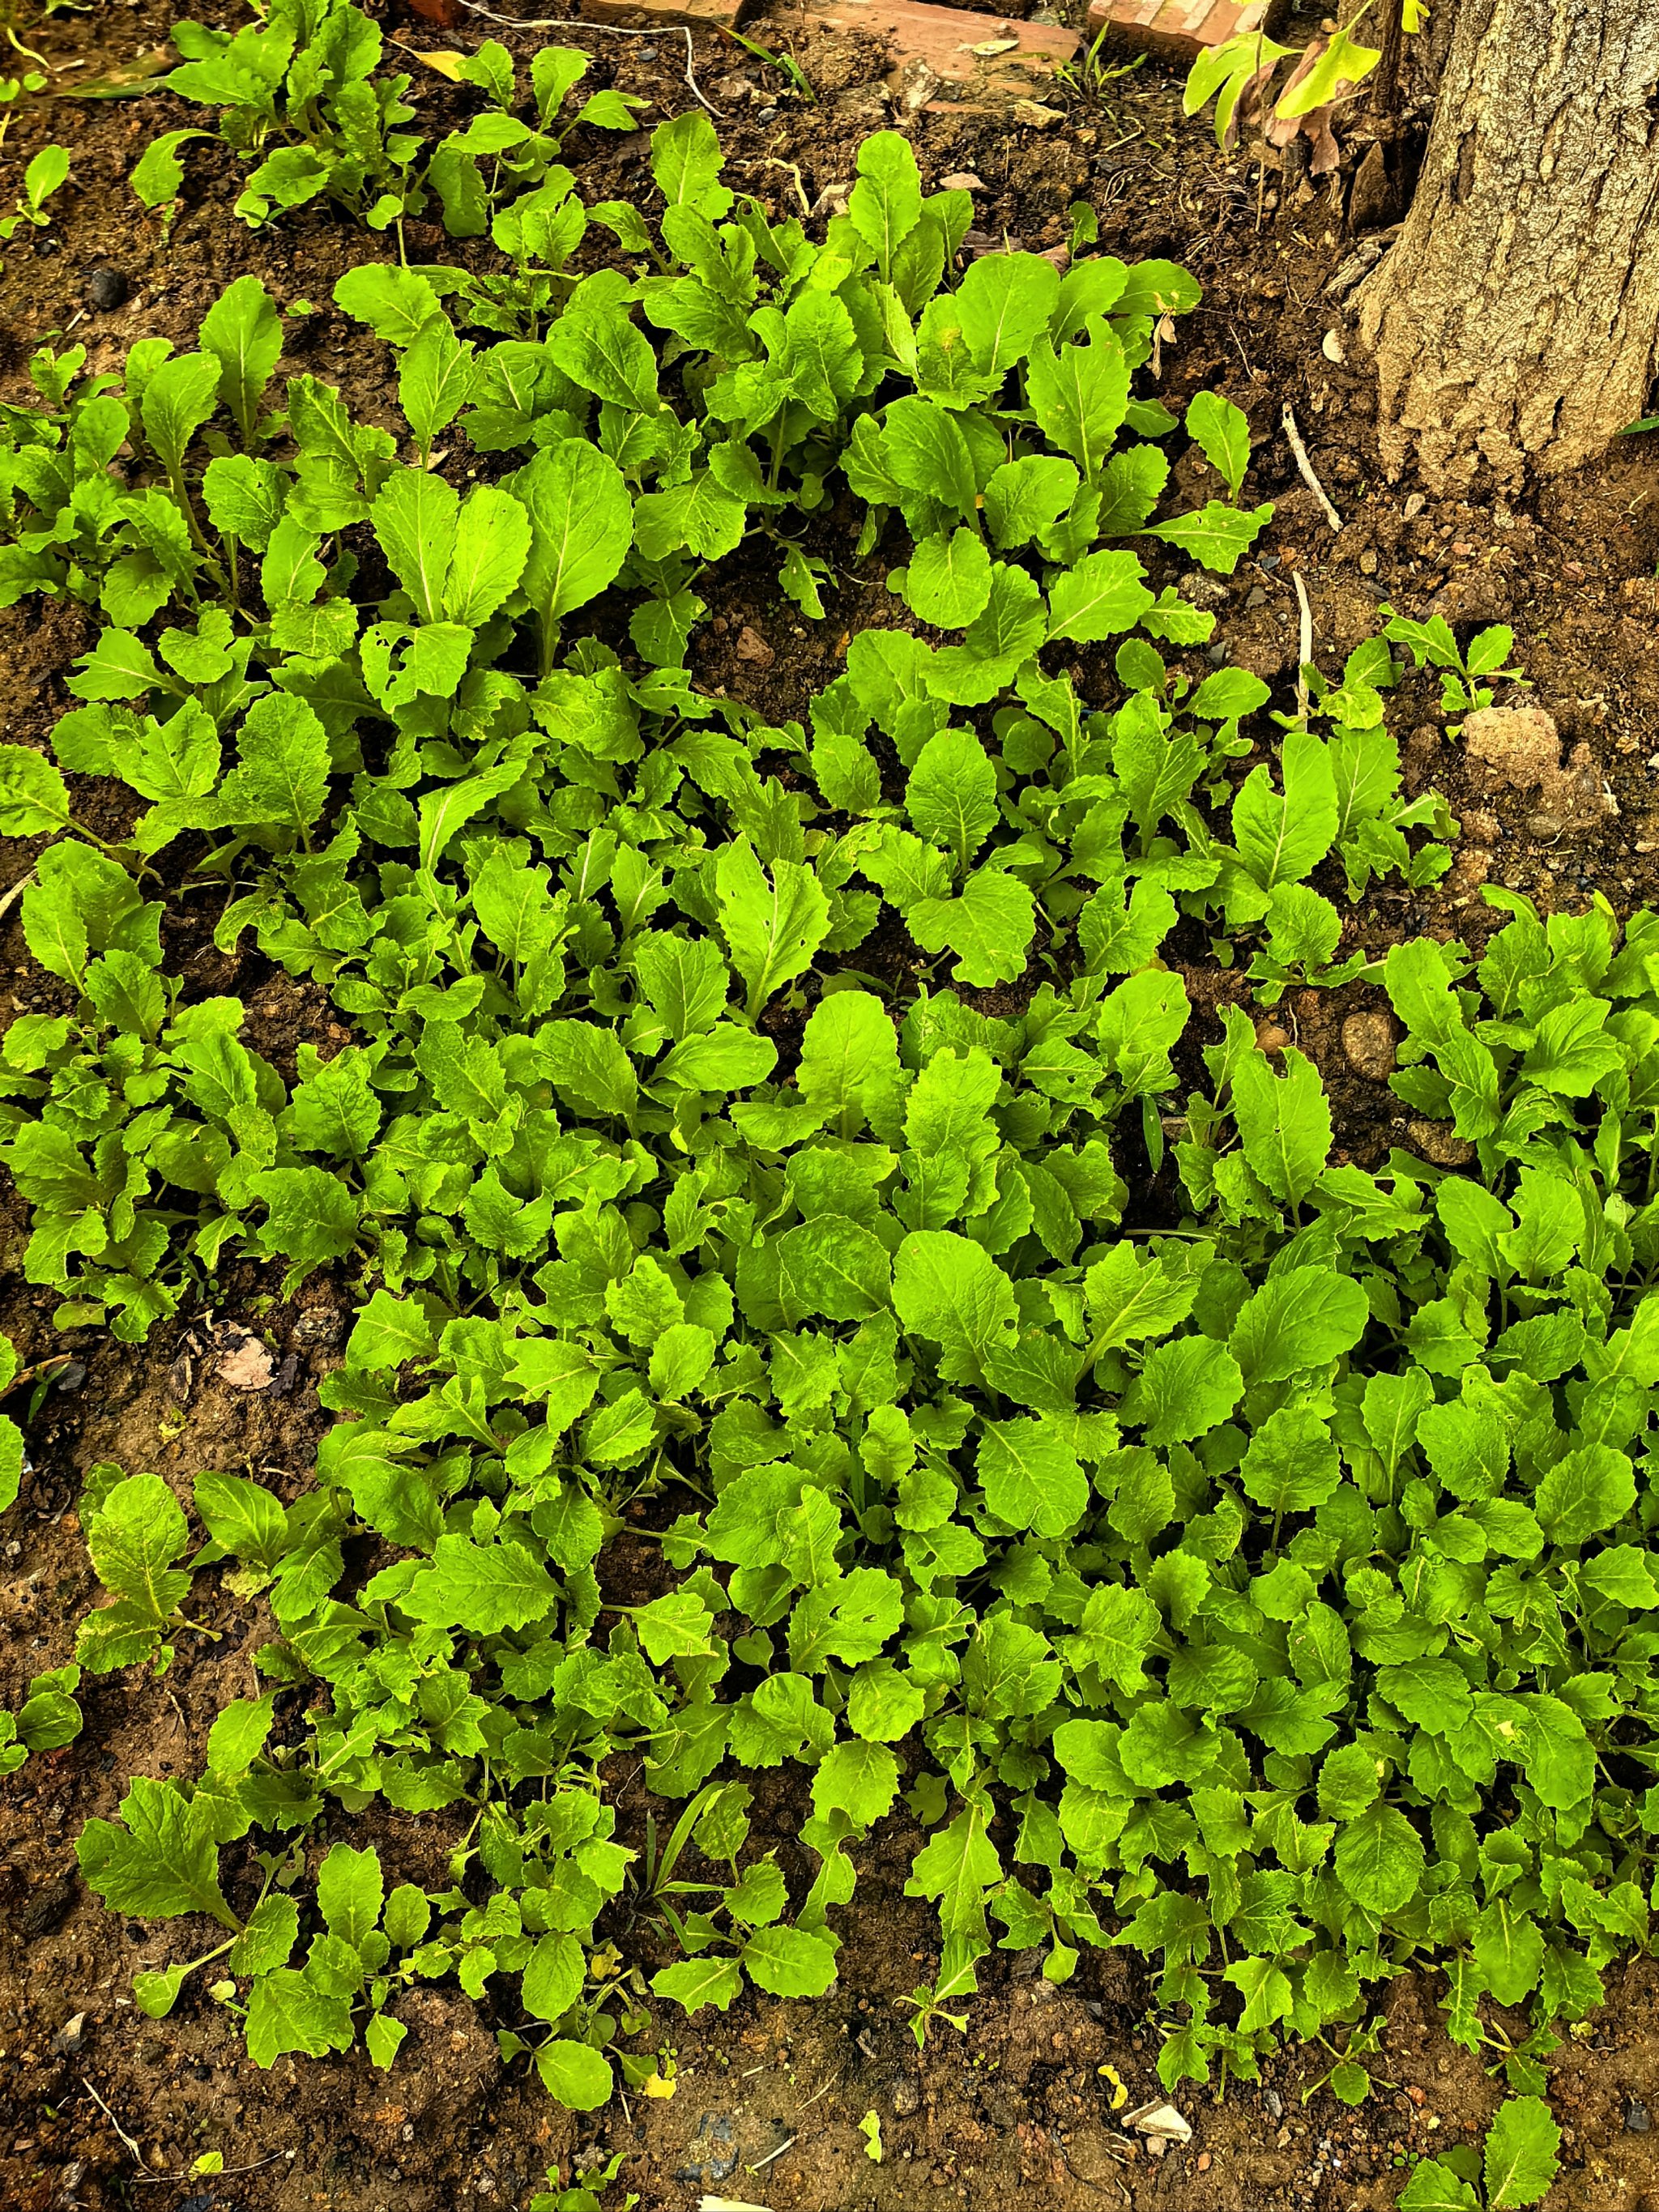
[[1266, 1589]]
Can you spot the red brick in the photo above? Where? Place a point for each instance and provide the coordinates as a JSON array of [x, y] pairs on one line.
[[1180, 29], [942, 37]]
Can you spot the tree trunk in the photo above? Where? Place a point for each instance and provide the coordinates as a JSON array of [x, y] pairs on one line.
[[1517, 317]]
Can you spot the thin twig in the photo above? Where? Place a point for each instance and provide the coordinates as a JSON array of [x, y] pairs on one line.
[[816, 2094], [1303, 463], [41, 1367], [786, 2145], [16, 891], [114, 2122], [791, 169], [224, 2172], [183, 2175], [608, 30], [1304, 647]]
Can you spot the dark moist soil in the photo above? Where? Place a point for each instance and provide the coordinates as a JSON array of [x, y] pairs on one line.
[[101, 2107]]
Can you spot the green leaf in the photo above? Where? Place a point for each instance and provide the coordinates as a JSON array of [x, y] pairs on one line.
[[553, 1979], [287, 2012], [483, 1588], [32, 797], [886, 202], [951, 796], [1222, 431], [928, 453], [956, 1867], [1585, 1492], [237, 1735], [790, 1962], [158, 174], [1217, 537], [395, 303], [1283, 1122], [1185, 1388], [1300, 1318], [1100, 598], [860, 1779], [134, 1535], [948, 1289], [163, 1862], [575, 2074], [1521, 2154], [1290, 1464], [686, 161], [1007, 300], [1079, 395], [281, 777], [179, 398], [773, 920], [1281, 839], [989, 927], [268, 1940], [948, 581], [581, 522], [414, 515], [383, 2037], [491, 544], [311, 1217], [1379, 1859], [243, 333], [1031, 1476], [1434, 2187], [695, 1983], [351, 1893]]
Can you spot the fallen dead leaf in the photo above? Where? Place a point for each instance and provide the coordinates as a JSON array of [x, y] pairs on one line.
[[445, 63]]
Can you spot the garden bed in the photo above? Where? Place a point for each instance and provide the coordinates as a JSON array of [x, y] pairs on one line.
[[1023, 2097]]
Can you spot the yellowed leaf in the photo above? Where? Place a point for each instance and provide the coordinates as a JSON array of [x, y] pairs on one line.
[[1119, 2092], [440, 58]]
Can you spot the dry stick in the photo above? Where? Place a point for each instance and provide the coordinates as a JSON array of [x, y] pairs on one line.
[[786, 2145], [1304, 647], [1303, 465], [608, 30], [114, 2122], [146, 2175], [16, 891]]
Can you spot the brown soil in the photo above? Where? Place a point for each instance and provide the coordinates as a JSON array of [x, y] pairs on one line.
[[1018, 2106]]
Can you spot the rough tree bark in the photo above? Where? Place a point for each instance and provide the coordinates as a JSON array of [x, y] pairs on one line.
[[1517, 317]]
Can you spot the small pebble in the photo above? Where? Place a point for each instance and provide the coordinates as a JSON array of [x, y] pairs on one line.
[[1217, 654], [107, 289], [647, 53], [766, 115], [1637, 2119], [1368, 1041]]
